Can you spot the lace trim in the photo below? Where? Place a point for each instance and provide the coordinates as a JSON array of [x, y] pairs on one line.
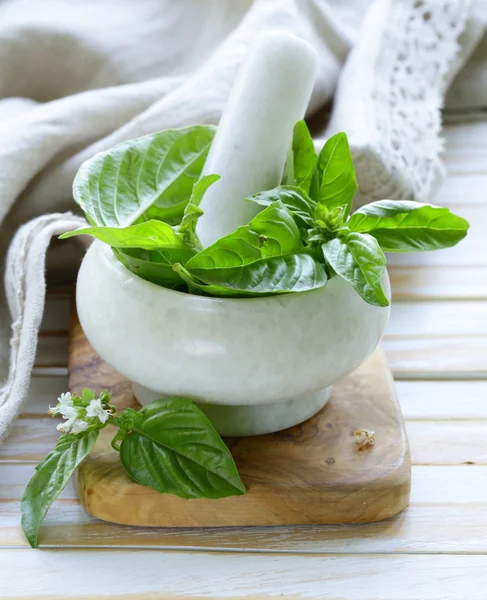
[[407, 98]]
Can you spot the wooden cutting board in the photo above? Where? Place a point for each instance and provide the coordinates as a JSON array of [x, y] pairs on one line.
[[311, 473]]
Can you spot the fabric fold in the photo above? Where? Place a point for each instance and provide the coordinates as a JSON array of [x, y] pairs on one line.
[[25, 288]]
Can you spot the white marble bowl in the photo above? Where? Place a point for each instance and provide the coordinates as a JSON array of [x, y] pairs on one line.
[[253, 365]]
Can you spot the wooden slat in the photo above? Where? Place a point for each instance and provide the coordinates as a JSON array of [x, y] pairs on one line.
[[420, 529], [431, 442], [462, 189], [439, 319], [29, 440], [14, 478], [56, 313], [430, 283], [465, 162], [447, 442], [50, 372], [461, 357], [466, 149], [419, 399], [443, 400], [163, 575], [52, 351], [43, 392], [466, 484], [444, 501], [470, 135]]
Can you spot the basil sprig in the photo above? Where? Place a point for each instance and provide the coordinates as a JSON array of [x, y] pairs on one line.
[[142, 198], [51, 477], [169, 446]]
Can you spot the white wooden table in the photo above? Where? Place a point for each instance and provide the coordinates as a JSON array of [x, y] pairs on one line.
[[437, 548]]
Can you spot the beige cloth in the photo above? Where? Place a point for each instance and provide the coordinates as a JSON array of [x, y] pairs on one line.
[[78, 77]]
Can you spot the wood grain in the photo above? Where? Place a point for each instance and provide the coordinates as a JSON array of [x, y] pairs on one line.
[[312, 473]]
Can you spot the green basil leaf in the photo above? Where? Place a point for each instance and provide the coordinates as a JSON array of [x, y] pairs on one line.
[[150, 235], [314, 188], [51, 477], [272, 232], [335, 167], [271, 275], [149, 177], [176, 450], [154, 265], [288, 175], [358, 259], [304, 154], [294, 199], [265, 257], [192, 212], [409, 226]]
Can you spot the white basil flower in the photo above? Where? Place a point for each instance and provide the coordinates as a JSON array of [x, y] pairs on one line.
[[79, 426], [65, 402], [95, 409], [70, 413]]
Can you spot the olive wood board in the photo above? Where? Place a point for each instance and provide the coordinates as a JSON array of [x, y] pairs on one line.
[[313, 473]]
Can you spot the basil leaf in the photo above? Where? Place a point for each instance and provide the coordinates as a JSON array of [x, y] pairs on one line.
[[288, 175], [149, 235], [304, 156], [294, 199], [149, 177], [358, 259], [51, 476], [192, 212], [174, 449], [265, 257], [272, 275], [154, 265], [272, 232], [337, 174], [409, 226], [314, 188]]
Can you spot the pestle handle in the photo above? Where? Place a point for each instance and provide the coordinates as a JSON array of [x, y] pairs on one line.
[[270, 94]]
